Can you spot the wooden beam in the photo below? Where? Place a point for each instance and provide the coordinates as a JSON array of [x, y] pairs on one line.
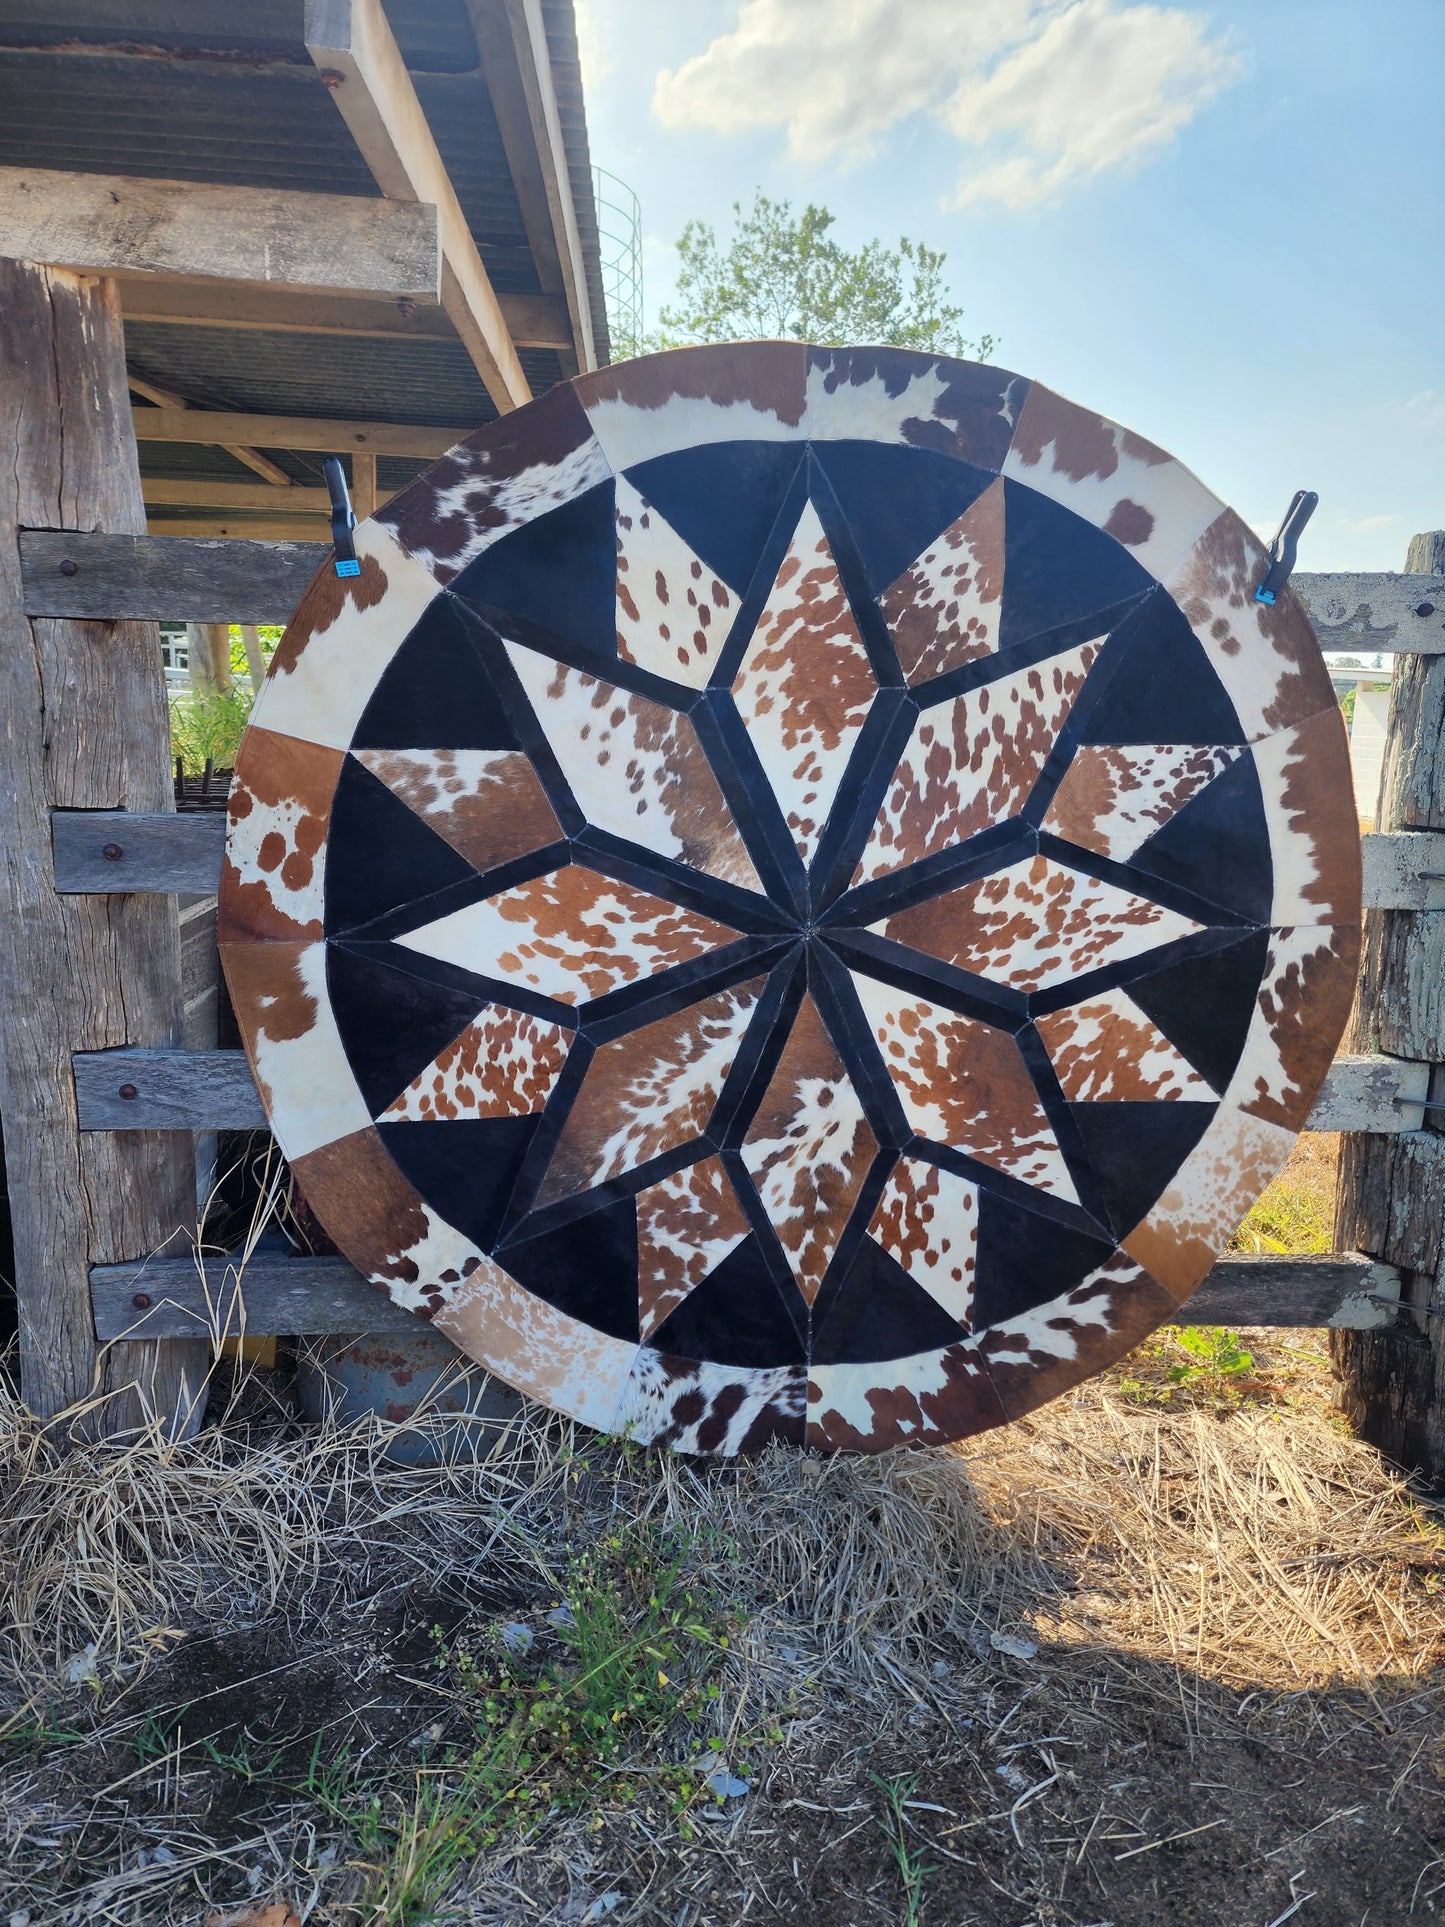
[[163, 492], [1397, 614], [299, 530], [351, 41], [533, 320], [167, 399], [363, 485], [84, 721], [294, 431], [512, 43], [324, 243], [1404, 869], [181, 1090], [183, 579], [276, 1294], [106, 852]]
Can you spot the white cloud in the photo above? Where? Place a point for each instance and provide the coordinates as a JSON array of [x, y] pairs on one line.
[[593, 55], [1049, 92]]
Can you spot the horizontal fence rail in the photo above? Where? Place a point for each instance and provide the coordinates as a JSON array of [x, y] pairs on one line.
[[198, 579], [115, 852], [273, 1294], [170, 578], [213, 1090]]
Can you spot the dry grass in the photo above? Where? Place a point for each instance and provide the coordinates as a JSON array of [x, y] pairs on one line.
[[1167, 1606]]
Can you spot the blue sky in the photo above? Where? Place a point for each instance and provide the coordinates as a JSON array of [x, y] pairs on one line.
[[1217, 223]]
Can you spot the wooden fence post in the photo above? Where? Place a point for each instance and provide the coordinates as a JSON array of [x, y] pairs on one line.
[[1391, 1200], [82, 726]]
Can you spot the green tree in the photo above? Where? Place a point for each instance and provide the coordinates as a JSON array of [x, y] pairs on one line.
[[782, 275]]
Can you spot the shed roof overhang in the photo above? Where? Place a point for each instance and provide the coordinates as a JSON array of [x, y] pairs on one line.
[[376, 213]]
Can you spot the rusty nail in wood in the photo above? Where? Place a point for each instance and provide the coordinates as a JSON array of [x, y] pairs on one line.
[[1425, 609], [112, 852], [129, 1090], [406, 308], [331, 80], [68, 567], [142, 1301]]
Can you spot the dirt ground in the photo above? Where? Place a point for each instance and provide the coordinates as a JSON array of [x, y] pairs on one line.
[[1173, 1651]]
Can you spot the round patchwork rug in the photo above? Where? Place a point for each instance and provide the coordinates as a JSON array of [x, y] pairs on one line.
[[796, 898]]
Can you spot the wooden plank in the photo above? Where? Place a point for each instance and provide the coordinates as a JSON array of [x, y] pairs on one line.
[[1399, 614], [162, 492], [1384, 1095], [166, 1090], [277, 1293], [212, 427], [115, 852], [533, 320], [85, 725], [1346, 1290], [218, 526], [182, 579], [1404, 870], [516, 64], [351, 40], [323, 243], [177, 1090]]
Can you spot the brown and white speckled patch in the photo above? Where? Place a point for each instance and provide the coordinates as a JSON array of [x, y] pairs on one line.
[[504, 1064], [690, 1405], [673, 612], [809, 1148], [1034, 1356], [1115, 479], [1035, 924], [1107, 1051], [720, 392], [924, 1400], [487, 803], [964, 1084], [804, 685], [971, 762], [1267, 658], [301, 1070], [636, 768], [967, 409], [1314, 835], [1195, 1218], [1299, 1016], [550, 1356], [927, 1219], [377, 1217], [497, 480], [280, 803], [571, 934], [944, 609], [686, 1225], [1114, 797], [343, 635], [649, 1092]]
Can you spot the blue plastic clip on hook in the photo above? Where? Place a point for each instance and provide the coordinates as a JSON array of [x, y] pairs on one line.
[[1282, 549], [343, 518]]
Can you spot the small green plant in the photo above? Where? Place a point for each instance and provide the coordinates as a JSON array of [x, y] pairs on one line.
[[913, 1869], [208, 728], [1210, 1352]]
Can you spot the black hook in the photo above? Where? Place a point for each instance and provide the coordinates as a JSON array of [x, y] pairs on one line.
[[343, 517], [1282, 549]]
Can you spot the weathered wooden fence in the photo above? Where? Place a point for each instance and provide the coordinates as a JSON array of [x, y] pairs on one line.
[[108, 1066]]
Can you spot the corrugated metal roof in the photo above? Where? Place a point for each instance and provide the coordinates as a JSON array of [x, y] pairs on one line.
[[255, 371], [212, 90]]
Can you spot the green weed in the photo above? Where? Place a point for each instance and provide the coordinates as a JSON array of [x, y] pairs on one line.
[[913, 1868], [208, 728]]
